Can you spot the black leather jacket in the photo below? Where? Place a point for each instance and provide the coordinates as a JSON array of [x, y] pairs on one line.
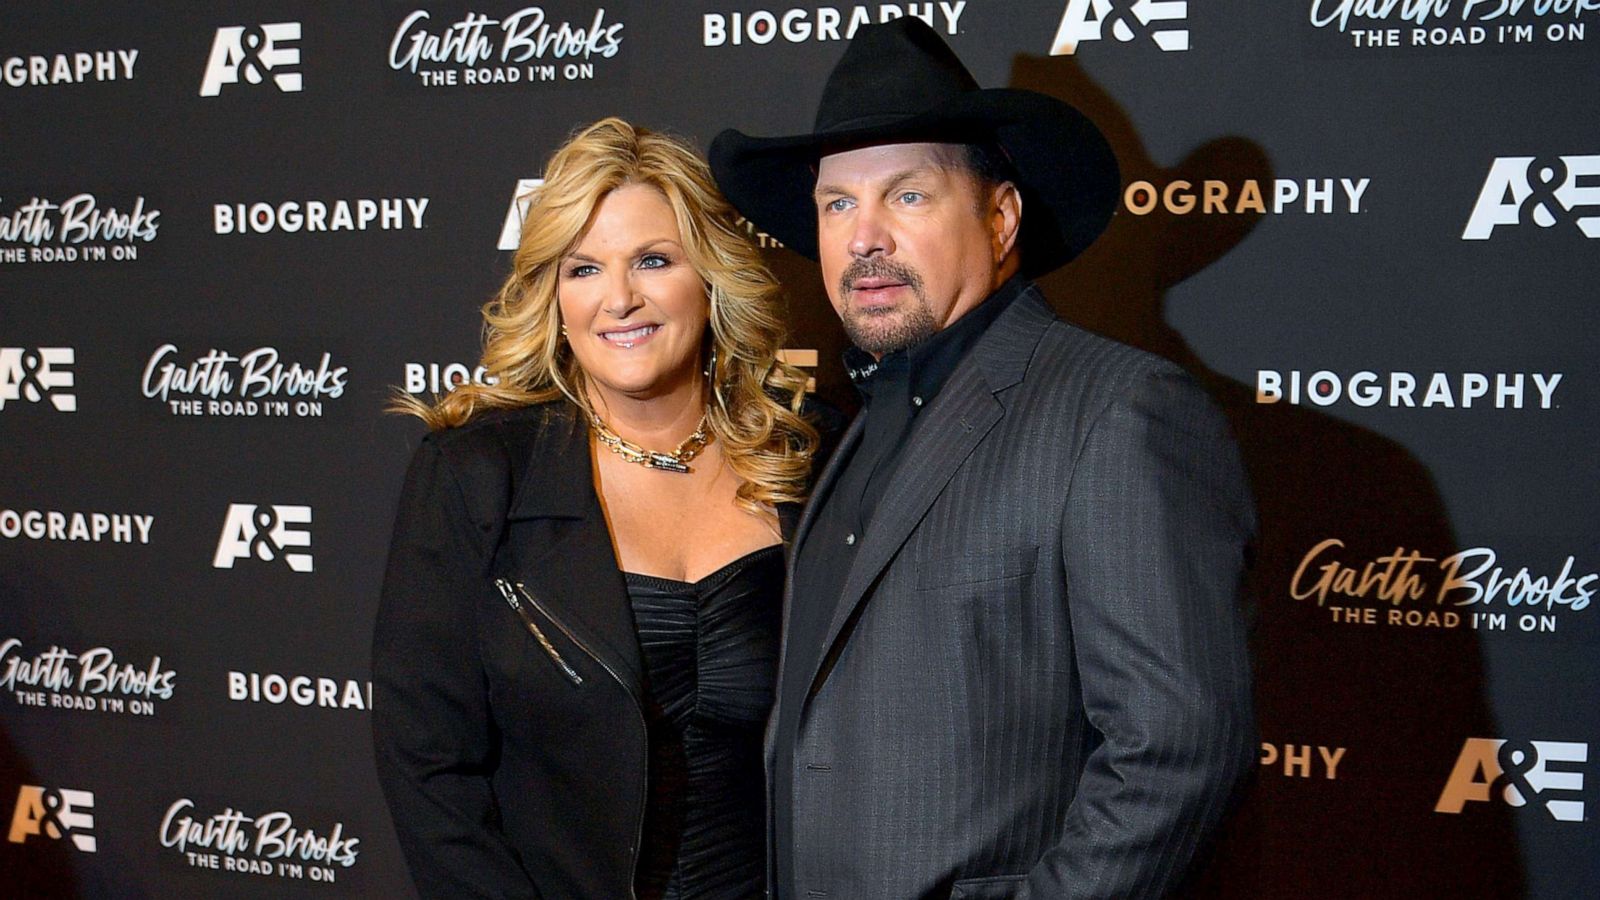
[[506, 671]]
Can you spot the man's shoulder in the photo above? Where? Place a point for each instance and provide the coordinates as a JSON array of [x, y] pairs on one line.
[[1092, 362]]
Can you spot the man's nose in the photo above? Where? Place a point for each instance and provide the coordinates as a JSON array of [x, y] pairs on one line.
[[871, 234]]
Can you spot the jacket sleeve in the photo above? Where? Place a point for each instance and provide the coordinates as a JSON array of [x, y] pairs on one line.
[[434, 737], [1156, 526]]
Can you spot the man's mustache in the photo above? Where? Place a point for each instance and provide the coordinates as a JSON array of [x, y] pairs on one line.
[[878, 267]]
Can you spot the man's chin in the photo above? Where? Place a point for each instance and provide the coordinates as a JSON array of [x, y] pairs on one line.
[[885, 334]]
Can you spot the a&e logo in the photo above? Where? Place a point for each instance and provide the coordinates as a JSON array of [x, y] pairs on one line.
[[34, 373], [251, 53], [264, 532], [54, 814], [521, 202], [1125, 20], [1520, 773], [1542, 190]]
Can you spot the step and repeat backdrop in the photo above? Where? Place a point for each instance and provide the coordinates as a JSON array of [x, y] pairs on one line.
[[228, 230]]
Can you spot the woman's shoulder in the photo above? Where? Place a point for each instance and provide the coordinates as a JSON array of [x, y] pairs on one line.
[[500, 440], [491, 426], [487, 461]]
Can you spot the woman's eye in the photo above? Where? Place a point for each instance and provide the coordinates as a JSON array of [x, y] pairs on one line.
[[582, 270], [654, 261]]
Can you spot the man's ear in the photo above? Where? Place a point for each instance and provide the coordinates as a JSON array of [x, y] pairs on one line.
[[1005, 219]]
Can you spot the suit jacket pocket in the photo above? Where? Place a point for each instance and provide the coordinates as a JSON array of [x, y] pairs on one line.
[[999, 887], [976, 568]]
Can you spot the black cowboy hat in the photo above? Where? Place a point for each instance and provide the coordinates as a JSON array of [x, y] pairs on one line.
[[898, 81]]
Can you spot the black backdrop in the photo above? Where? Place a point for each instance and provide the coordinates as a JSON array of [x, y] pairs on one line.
[[227, 229]]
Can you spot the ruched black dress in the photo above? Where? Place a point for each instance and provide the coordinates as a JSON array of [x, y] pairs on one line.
[[711, 653]]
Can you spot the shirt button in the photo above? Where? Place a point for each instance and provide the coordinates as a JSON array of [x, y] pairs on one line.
[[850, 539], [916, 401]]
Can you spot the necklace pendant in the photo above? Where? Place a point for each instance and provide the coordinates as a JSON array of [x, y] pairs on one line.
[[666, 463]]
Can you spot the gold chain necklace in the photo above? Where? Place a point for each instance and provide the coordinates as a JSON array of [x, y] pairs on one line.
[[676, 461]]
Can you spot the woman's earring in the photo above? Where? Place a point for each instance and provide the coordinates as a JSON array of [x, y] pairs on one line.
[[563, 332], [711, 365]]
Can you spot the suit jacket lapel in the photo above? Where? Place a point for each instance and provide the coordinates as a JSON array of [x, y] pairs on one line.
[[963, 414], [561, 548]]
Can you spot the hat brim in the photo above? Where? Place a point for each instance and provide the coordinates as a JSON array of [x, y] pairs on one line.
[[1065, 169]]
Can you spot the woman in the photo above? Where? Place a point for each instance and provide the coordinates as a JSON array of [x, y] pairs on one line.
[[577, 640]]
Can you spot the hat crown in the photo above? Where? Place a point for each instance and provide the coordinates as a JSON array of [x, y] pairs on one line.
[[890, 70], [899, 82]]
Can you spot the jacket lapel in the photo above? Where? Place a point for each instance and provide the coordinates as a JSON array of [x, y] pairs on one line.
[[963, 414], [561, 549]]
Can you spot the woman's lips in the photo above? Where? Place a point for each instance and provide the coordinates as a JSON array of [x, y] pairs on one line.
[[627, 339]]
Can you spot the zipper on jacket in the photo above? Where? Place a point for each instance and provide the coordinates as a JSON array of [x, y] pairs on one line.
[[511, 598], [644, 729]]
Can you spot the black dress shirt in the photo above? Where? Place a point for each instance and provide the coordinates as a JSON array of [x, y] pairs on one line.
[[893, 391]]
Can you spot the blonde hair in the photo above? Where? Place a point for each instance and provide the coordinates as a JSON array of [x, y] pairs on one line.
[[755, 407]]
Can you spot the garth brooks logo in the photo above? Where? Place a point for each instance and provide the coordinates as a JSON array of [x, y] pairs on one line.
[[78, 229], [1124, 20], [257, 383], [91, 681], [1405, 579], [1446, 23], [1546, 191], [269, 844], [523, 48]]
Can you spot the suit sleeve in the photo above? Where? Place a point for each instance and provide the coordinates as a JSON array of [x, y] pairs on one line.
[[1156, 525], [434, 737]]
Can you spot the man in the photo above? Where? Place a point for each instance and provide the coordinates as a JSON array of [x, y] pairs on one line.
[[1013, 664]]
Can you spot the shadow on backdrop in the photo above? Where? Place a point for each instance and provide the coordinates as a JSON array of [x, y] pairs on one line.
[[1400, 700]]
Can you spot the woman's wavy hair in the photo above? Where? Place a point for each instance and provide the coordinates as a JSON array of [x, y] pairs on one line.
[[756, 399]]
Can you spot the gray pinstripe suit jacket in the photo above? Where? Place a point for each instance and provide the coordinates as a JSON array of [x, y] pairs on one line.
[[1035, 684]]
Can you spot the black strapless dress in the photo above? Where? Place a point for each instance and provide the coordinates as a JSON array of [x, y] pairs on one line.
[[711, 657]]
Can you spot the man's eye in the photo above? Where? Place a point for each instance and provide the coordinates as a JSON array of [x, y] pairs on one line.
[[838, 205], [911, 197]]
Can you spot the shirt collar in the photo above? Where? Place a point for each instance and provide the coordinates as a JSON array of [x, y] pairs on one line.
[[924, 367]]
